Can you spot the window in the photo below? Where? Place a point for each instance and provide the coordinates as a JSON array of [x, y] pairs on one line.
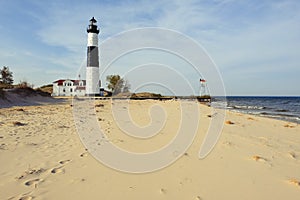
[[64, 90], [71, 90]]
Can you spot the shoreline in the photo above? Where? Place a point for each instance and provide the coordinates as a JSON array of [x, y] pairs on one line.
[[69, 99], [296, 121]]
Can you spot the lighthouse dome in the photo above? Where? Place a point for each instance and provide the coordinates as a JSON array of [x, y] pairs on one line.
[[92, 26]]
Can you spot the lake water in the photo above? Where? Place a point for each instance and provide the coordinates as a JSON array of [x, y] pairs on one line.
[[283, 108]]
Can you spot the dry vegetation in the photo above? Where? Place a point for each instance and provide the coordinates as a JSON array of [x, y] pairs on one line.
[[46, 88]]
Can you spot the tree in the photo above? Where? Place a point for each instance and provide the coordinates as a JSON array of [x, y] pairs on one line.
[[6, 76], [117, 84]]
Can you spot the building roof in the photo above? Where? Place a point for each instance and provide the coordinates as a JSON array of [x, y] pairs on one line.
[[76, 82]]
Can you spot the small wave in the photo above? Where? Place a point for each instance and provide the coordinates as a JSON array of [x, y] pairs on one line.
[[287, 115], [278, 114], [282, 110], [222, 105], [249, 107]]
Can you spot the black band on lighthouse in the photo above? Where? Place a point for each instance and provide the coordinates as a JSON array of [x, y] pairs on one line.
[[92, 56]]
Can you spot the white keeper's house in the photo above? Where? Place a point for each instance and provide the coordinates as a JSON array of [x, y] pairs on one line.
[[68, 87]]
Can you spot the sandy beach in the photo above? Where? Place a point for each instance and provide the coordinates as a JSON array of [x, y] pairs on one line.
[[42, 157]]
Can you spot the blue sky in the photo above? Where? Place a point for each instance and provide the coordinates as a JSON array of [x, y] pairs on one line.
[[255, 44]]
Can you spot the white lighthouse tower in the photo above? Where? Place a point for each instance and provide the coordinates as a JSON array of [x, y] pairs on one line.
[[92, 68]]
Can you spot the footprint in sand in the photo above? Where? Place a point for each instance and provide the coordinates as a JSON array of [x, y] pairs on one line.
[[294, 182], [3, 146], [26, 198], [259, 158], [31, 172], [288, 126], [18, 123], [229, 122], [84, 154], [64, 162], [20, 109], [32, 182], [163, 191], [57, 170], [292, 155]]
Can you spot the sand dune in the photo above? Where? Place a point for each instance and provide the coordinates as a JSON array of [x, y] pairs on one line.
[[42, 157], [25, 97]]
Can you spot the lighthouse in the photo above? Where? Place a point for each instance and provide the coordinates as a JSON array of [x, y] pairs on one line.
[[92, 67]]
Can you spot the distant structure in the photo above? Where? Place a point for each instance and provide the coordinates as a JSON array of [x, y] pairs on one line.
[[204, 93], [92, 68], [203, 88], [68, 87]]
